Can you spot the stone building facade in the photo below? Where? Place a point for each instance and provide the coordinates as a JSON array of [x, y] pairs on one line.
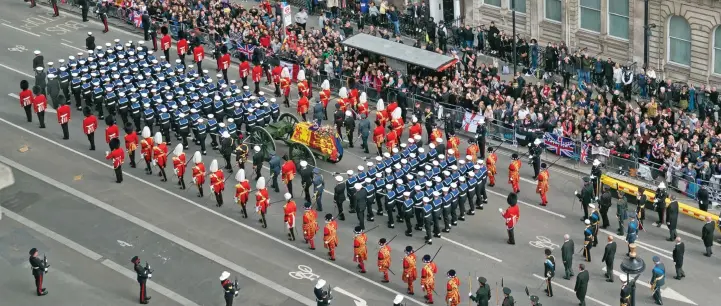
[[685, 35]]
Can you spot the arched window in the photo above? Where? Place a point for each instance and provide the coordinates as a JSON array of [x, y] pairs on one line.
[[717, 50], [679, 41]]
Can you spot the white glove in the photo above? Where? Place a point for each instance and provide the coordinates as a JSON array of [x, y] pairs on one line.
[[235, 199], [470, 294], [175, 170], [593, 176], [155, 163], [326, 242], [596, 198], [257, 209], [406, 275], [150, 275], [530, 156], [500, 210], [46, 269], [107, 153], [305, 233], [575, 192], [194, 182]]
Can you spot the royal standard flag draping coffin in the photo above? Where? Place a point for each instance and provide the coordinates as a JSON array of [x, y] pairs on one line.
[[321, 138]]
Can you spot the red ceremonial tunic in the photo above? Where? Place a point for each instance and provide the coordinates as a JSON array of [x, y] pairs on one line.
[[379, 135], [453, 296], [40, 103], [217, 181], [257, 73], [262, 200], [303, 88], [325, 97], [513, 171], [131, 141], [289, 210], [303, 105], [242, 191], [64, 114], [198, 53], [491, 163], [428, 277], [512, 214], [363, 108], [285, 86], [111, 132], [384, 258], [118, 156], [26, 97], [244, 69], [165, 42], [360, 251], [288, 171], [225, 61], [182, 47], [160, 153], [409, 268], [415, 129], [90, 123], [146, 149], [199, 173], [179, 164], [330, 237], [310, 224], [277, 70], [472, 150], [542, 186]]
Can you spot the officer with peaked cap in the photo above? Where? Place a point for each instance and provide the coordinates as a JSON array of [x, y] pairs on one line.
[[585, 196], [39, 268], [257, 161], [40, 77], [339, 193], [38, 60], [483, 294], [229, 288], [398, 300], [322, 297], [507, 299], [360, 196]]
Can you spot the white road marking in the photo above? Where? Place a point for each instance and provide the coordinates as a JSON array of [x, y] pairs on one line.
[[18, 71], [538, 207], [358, 301], [571, 290], [654, 249], [471, 249], [124, 244], [95, 257], [67, 41], [6, 179], [151, 284], [665, 292], [73, 47], [165, 234], [21, 30], [220, 215]]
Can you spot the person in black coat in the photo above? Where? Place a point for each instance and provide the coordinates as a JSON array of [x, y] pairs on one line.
[[360, 199], [707, 236], [678, 251], [672, 218], [339, 196], [567, 256], [703, 198], [609, 254], [90, 41]]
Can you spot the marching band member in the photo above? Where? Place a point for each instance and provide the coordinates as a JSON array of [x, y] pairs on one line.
[[160, 155], [146, 149], [261, 200], [360, 251], [242, 190], [310, 224], [217, 182], [330, 236], [198, 172], [179, 164], [289, 210], [514, 176]]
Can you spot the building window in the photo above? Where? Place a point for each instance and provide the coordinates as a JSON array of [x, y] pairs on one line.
[[553, 10], [520, 5], [717, 51], [493, 2], [591, 15], [618, 18], [679, 41]]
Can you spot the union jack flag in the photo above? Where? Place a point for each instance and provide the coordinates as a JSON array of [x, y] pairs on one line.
[[585, 148], [138, 20], [246, 49], [559, 145]]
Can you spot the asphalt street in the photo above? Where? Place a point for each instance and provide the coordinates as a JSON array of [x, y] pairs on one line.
[[190, 242]]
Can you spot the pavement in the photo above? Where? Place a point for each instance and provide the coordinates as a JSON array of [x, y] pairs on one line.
[[190, 242]]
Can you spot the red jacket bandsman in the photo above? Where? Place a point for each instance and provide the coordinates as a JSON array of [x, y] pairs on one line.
[[288, 172], [409, 269], [244, 69], [453, 294], [384, 259], [285, 81], [225, 61], [262, 200], [362, 105], [454, 144], [242, 191], [277, 70], [513, 173], [217, 182], [198, 172], [179, 162], [428, 278], [160, 151], [289, 210], [26, 97], [391, 140], [146, 145], [360, 251], [381, 113], [491, 160], [330, 236], [511, 216], [325, 93], [542, 187], [63, 114], [257, 73], [472, 150], [131, 139], [117, 155], [303, 89], [111, 131], [435, 135], [310, 224], [303, 106], [415, 129], [343, 99], [165, 43]]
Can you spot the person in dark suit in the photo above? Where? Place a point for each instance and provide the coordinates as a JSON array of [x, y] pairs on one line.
[[146, 22], [85, 8], [567, 256], [672, 218], [609, 254], [707, 236], [703, 198], [581, 285], [678, 251]]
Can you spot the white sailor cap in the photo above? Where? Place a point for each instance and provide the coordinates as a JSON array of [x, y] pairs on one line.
[[454, 167], [426, 200], [370, 165], [446, 173], [388, 170], [39, 68], [462, 162], [406, 194], [37, 52], [379, 175], [437, 179], [445, 189], [378, 158], [349, 172], [435, 163], [454, 185], [360, 168], [404, 161], [436, 194], [386, 154], [368, 180], [442, 156]]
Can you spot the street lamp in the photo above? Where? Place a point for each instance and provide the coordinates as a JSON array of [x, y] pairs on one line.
[[632, 266]]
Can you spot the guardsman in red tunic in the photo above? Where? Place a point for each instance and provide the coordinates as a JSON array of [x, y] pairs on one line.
[[40, 104], [285, 85], [90, 124], [277, 70], [288, 172], [182, 48], [242, 191], [384, 259], [397, 123], [472, 150], [381, 113], [325, 95], [179, 164], [289, 210], [217, 182], [428, 278], [416, 129], [409, 269], [360, 251], [511, 215], [262, 200], [117, 155], [160, 155], [491, 160], [303, 89], [244, 72], [146, 149], [198, 172], [330, 235], [303, 106], [257, 76], [542, 187], [64, 116], [131, 142], [391, 140], [26, 99], [343, 99], [363, 104], [453, 290], [225, 64], [514, 173], [198, 56], [435, 136], [165, 43], [392, 107], [353, 97], [111, 131], [454, 144], [310, 224], [378, 136]]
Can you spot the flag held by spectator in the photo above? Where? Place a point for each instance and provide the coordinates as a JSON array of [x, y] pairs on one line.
[[559, 145], [246, 49], [470, 121]]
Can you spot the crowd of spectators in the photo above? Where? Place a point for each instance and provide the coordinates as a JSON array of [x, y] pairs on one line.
[[672, 127]]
